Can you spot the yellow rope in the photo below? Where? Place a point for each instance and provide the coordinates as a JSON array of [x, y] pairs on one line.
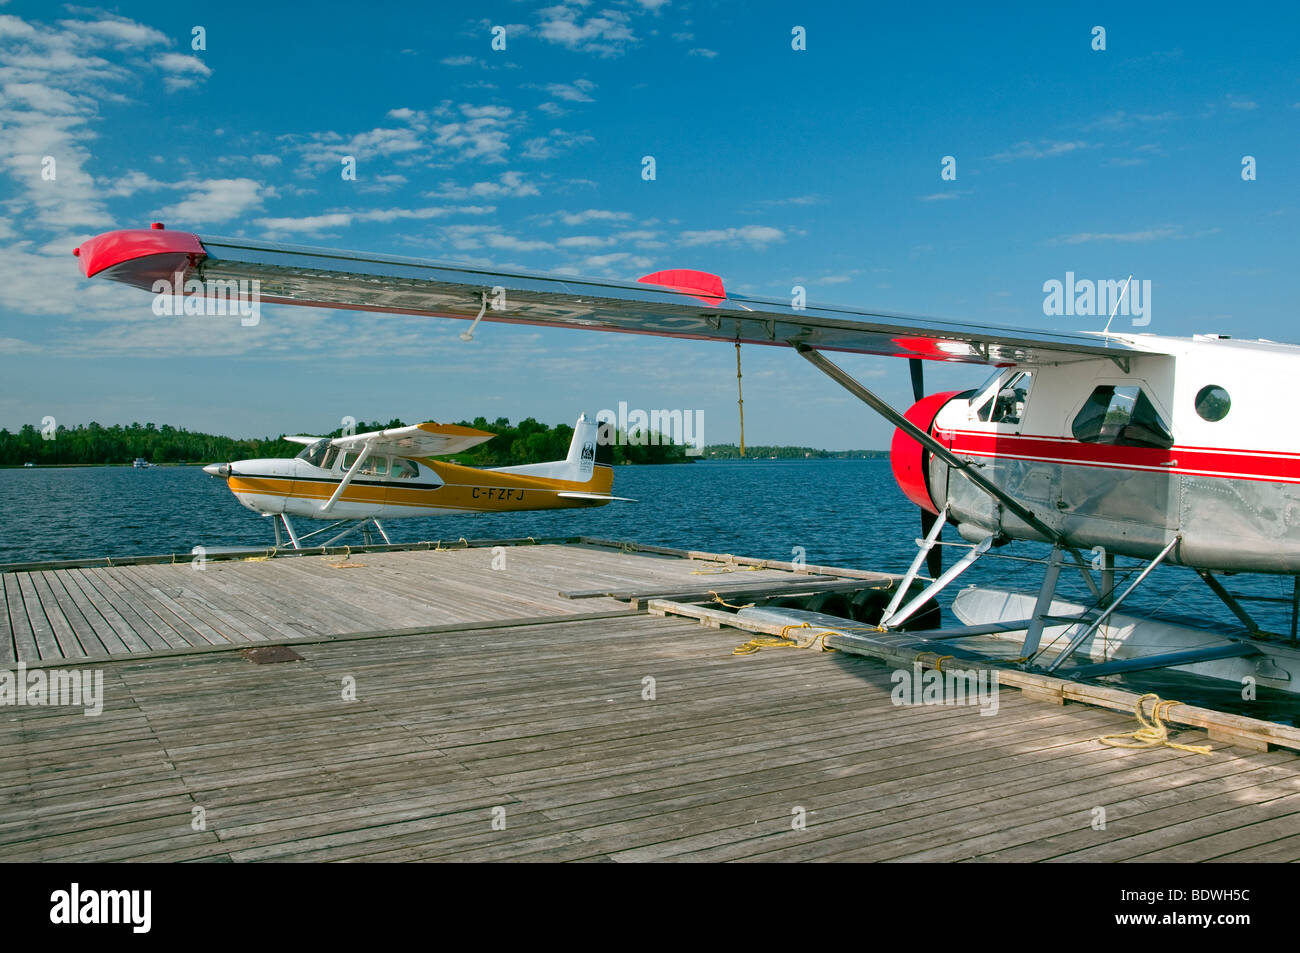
[[344, 563], [1153, 733], [783, 641], [720, 601]]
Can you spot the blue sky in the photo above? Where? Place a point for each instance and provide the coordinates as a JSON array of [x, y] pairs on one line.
[[774, 167]]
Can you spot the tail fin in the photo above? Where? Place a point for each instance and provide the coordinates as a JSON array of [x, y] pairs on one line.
[[586, 450], [581, 461]]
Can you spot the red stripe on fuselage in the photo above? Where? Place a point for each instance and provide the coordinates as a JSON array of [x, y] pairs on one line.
[[1233, 464]]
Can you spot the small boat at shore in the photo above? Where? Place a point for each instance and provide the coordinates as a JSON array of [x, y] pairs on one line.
[[140, 463]]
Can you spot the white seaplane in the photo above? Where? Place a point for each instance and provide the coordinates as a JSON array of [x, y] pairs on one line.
[[1168, 450], [356, 480]]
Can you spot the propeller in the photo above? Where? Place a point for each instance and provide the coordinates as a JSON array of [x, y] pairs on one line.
[[933, 559]]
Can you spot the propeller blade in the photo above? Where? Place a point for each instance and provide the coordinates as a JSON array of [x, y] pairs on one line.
[[934, 559], [918, 377]]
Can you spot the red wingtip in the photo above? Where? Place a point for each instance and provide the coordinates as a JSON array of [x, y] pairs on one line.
[[138, 256], [684, 279]]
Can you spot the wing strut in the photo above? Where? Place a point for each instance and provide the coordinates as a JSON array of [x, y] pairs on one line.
[[347, 478], [841, 377]]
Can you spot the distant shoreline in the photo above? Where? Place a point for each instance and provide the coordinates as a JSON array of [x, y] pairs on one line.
[[749, 458]]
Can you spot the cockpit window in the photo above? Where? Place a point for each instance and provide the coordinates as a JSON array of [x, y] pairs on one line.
[[374, 466], [404, 469], [1007, 404], [1121, 416], [314, 453]]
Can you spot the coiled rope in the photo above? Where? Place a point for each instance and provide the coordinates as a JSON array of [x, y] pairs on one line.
[[1153, 733], [785, 641]]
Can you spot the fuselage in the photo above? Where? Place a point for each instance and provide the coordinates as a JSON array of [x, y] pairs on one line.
[[395, 487], [1184, 437]]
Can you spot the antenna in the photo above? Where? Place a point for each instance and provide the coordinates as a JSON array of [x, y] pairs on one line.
[[1116, 308]]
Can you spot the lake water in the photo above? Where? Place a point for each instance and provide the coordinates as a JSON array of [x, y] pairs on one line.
[[841, 512]]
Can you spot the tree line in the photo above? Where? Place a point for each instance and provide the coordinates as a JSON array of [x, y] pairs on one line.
[[94, 444], [729, 451]]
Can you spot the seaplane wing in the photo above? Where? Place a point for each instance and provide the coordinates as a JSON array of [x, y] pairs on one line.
[[682, 303], [428, 439]]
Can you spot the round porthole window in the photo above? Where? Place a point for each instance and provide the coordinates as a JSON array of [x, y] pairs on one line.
[[1213, 403]]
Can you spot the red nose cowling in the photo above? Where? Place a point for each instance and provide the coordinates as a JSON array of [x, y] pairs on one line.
[[909, 460]]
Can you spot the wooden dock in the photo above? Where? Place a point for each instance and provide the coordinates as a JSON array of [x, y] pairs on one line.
[[441, 709]]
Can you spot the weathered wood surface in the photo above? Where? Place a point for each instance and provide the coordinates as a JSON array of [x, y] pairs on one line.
[[549, 723], [906, 648], [78, 613]]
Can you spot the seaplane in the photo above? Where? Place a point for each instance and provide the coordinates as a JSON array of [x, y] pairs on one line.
[[355, 480], [1164, 450]]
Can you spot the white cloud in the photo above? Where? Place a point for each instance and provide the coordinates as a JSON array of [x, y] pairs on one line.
[[482, 133], [576, 92], [755, 235], [585, 241], [701, 51], [1040, 150], [1157, 233], [53, 81], [182, 71], [216, 200], [553, 143], [308, 223], [508, 185], [126, 185], [344, 219], [472, 237], [607, 33], [327, 149], [1124, 120], [117, 31], [594, 215]]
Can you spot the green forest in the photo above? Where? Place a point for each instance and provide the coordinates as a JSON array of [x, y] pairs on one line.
[[729, 451], [525, 442], [95, 445]]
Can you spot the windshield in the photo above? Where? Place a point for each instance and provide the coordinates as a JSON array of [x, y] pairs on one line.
[[314, 453], [983, 389]]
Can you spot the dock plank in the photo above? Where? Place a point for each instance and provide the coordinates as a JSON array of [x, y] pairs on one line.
[[410, 723]]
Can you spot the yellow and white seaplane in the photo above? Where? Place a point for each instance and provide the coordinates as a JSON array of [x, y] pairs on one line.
[[354, 481]]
